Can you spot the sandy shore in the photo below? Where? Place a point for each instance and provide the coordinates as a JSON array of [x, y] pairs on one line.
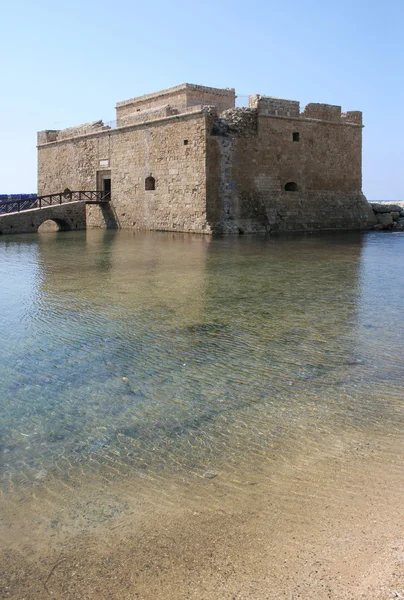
[[307, 528]]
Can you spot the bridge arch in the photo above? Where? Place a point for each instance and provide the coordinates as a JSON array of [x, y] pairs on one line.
[[64, 215], [49, 225], [291, 186]]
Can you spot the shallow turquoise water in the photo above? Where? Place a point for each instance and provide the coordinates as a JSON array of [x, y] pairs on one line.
[[154, 354]]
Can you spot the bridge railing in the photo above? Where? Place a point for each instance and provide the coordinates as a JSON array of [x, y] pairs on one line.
[[10, 206], [71, 196], [95, 197]]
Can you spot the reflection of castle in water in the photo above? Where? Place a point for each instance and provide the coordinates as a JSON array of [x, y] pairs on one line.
[[294, 301], [173, 349], [104, 270], [275, 292]]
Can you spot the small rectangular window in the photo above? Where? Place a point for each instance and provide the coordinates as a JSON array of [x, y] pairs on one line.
[[185, 142], [296, 136]]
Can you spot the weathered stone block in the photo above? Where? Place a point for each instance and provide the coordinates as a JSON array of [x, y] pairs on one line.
[[383, 207], [385, 219]]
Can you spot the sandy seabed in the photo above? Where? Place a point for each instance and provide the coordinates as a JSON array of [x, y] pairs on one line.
[[307, 527]]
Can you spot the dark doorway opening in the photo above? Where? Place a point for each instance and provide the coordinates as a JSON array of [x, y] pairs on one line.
[[291, 187], [104, 184], [106, 188]]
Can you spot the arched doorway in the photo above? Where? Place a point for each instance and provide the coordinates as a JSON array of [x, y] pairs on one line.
[[291, 186]]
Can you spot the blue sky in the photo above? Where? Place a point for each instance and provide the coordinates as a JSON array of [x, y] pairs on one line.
[[65, 63]]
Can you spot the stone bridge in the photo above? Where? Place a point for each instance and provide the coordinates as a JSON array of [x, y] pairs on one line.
[[68, 216], [67, 210]]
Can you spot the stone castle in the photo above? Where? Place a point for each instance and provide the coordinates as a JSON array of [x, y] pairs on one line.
[[185, 159]]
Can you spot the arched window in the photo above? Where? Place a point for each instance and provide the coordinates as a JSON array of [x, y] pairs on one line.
[[150, 183], [291, 186]]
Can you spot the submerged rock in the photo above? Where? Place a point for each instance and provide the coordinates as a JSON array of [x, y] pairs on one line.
[[209, 475]]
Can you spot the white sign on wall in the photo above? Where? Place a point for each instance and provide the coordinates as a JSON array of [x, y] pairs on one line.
[[104, 162]]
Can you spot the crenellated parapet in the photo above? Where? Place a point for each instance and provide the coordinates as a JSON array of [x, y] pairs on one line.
[[322, 112], [270, 106], [352, 116]]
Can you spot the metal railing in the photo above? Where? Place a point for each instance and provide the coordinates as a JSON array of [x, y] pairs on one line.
[[88, 196]]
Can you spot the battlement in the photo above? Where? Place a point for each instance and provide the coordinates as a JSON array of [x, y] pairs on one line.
[[279, 107], [181, 96], [322, 112], [189, 98], [269, 105], [352, 116]]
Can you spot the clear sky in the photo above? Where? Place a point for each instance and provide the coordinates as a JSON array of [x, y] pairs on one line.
[[63, 63]]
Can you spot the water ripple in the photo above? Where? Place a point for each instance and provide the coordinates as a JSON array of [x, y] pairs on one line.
[[154, 356]]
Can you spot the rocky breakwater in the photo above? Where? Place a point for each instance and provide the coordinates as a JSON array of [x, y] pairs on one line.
[[389, 216]]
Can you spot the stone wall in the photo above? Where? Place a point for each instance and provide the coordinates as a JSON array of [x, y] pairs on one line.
[[170, 150], [182, 96], [222, 99], [249, 169], [175, 97], [297, 211], [69, 216], [179, 166], [151, 114]]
